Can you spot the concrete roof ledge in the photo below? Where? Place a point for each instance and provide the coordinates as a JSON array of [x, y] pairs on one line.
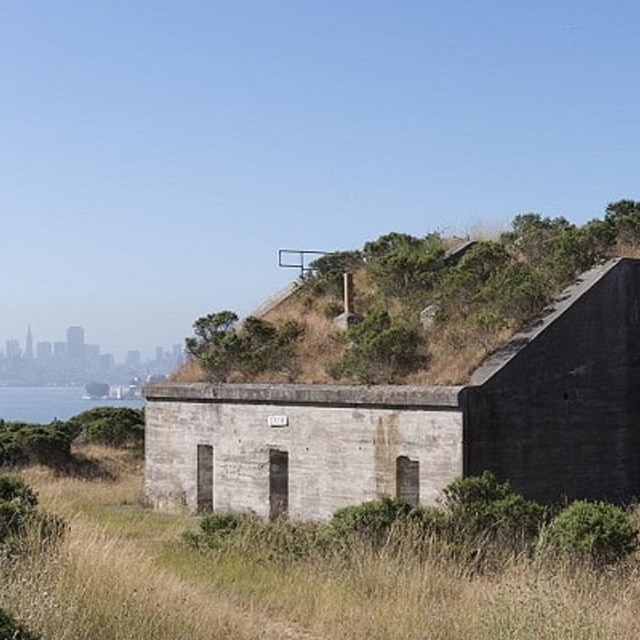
[[308, 394]]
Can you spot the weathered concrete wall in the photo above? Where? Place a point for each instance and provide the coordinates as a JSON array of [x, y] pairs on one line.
[[340, 452], [558, 410]]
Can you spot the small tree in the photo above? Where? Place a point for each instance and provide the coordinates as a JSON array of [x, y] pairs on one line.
[[623, 217], [327, 271], [215, 344]]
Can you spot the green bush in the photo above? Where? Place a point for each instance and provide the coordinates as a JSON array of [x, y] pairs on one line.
[[10, 629], [220, 523], [404, 266], [265, 347], [22, 443], [17, 506], [213, 530], [623, 218], [14, 489], [327, 272], [488, 289], [112, 426], [380, 349], [256, 347], [372, 521], [18, 513], [600, 532], [482, 506], [263, 541]]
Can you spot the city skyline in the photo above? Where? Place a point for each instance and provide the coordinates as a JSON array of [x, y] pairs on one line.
[[76, 361], [30, 338]]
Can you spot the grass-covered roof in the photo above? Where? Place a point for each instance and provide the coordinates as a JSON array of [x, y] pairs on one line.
[[427, 315]]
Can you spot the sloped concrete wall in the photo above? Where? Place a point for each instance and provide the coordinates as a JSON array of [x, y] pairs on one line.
[[558, 410], [342, 446]]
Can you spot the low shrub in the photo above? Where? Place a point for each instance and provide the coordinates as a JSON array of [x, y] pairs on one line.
[[263, 541], [265, 347], [220, 523], [369, 520], [17, 505], [481, 522], [402, 265], [213, 530], [596, 531], [10, 629], [22, 443], [327, 273], [379, 350], [222, 349], [111, 426], [19, 513], [482, 506]]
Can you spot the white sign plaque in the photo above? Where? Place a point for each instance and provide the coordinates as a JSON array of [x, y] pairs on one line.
[[277, 421]]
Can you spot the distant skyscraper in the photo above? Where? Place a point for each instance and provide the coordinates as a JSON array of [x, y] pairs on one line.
[[60, 351], [44, 351], [13, 349], [75, 346], [106, 362], [28, 352], [92, 356], [159, 353], [133, 359]]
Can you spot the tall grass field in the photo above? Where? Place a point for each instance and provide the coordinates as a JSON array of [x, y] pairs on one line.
[[123, 572]]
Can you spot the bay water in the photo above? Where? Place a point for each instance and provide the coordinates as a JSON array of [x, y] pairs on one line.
[[44, 404]]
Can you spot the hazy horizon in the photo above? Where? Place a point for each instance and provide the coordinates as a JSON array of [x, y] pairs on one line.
[[120, 355], [156, 155]]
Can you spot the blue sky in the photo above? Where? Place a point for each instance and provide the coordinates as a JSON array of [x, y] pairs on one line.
[[154, 155]]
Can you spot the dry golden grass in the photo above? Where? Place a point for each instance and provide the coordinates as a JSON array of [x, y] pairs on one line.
[[628, 250], [190, 371], [122, 573], [316, 348], [451, 353], [104, 582]]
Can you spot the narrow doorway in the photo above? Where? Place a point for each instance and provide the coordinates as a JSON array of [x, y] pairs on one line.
[[205, 478], [278, 484], [408, 480]]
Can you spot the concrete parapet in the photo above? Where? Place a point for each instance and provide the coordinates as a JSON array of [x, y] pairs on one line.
[[276, 299], [308, 394]]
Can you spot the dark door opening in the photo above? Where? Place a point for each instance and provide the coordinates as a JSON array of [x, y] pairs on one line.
[[408, 480], [205, 478], [278, 484]]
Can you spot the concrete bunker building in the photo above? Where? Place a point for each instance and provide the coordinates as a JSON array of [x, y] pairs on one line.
[[556, 411]]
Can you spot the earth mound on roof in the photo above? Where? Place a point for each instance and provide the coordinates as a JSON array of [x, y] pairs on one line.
[[425, 310]]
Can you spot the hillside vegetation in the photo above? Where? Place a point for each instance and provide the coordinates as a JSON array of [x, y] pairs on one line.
[[471, 303]]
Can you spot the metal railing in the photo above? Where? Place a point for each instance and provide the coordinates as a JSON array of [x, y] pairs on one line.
[[286, 260]]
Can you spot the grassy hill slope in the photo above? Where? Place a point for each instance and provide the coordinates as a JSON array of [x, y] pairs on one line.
[[427, 315]]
